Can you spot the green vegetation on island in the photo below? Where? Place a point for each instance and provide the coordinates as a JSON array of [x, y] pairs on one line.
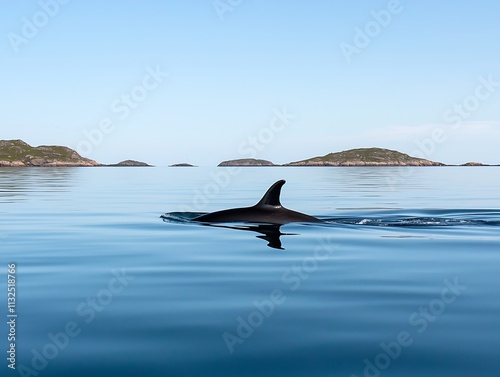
[[366, 157], [246, 162], [17, 153], [352, 157]]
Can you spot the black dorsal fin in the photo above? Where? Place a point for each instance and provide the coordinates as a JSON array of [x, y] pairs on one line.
[[272, 195]]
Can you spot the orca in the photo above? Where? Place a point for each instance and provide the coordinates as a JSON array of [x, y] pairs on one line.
[[267, 211]]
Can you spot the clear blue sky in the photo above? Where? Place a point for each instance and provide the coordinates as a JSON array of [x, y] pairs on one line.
[[65, 69]]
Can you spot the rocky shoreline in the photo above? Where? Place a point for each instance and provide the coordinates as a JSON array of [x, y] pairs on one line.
[[18, 154], [353, 157]]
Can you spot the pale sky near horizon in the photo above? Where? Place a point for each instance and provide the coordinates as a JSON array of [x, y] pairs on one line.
[[206, 81]]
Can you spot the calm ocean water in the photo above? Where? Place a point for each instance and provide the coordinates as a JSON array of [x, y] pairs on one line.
[[401, 280]]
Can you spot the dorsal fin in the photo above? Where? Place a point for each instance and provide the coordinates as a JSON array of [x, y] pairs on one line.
[[272, 195]]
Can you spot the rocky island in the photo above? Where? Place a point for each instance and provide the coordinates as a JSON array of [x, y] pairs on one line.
[[182, 165], [17, 153], [133, 163], [352, 157], [247, 162], [474, 164], [366, 157]]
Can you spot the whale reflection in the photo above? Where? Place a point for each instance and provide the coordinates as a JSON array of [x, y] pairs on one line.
[[268, 232]]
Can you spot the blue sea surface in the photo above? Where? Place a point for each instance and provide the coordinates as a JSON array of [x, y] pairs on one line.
[[401, 279]]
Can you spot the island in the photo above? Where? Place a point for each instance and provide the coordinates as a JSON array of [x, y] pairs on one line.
[[247, 162], [475, 164], [17, 153], [182, 165], [366, 157], [352, 157], [128, 163]]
